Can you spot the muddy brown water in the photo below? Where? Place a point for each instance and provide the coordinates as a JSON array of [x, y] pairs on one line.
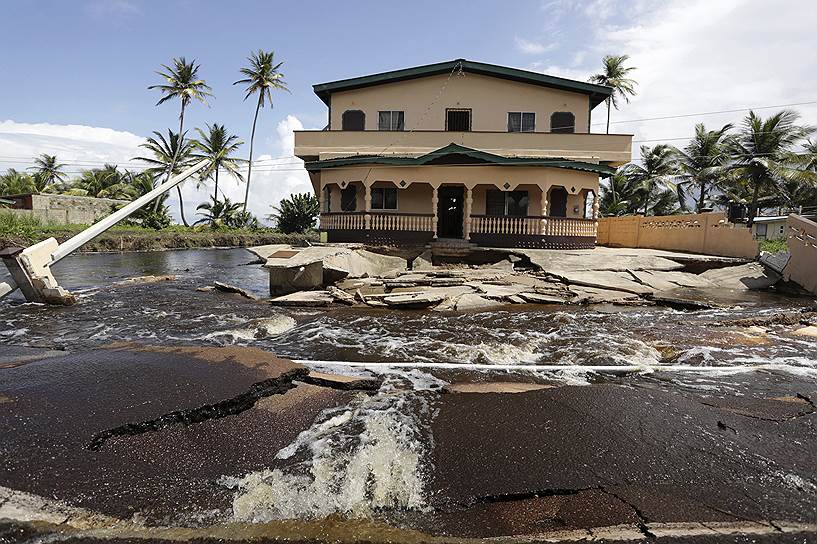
[[374, 457]]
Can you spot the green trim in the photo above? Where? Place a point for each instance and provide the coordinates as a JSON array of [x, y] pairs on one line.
[[453, 149], [597, 93]]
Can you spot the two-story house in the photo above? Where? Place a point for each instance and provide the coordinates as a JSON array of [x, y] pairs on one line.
[[465, 150]]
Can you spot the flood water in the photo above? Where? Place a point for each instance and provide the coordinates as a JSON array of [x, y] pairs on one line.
[[377, 440]]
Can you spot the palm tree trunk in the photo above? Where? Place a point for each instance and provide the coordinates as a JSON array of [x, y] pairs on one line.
[[215, 191], [753, 205], [173, 165], [252, 141], [608, 116], [702, 197], [647, 199]]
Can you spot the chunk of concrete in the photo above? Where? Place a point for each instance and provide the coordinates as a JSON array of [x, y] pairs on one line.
[[227, 288], [304, 298], [423, 261], [339, 381], [602, 279], [472, 301], [594, 295], [539, 298], [340, 295], [749, 276], [138, 280], [811, 331], [495, 387], [421, 300]]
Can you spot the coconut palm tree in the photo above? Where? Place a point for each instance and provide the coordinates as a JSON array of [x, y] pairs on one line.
[[762, 153], [620, 195], [701, 162], [105, 182], [16, 183], [262, 77], [217, 146], [171, 156], [182, 82], [218, 213], [655, 173], [614, 74], [48, 172]]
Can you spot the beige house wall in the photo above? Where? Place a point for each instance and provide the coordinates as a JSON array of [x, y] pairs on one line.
[[489, 98], [802, 263], [708, 233]]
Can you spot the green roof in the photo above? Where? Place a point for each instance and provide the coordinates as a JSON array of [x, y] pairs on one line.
[[597, 93], [454, 154]]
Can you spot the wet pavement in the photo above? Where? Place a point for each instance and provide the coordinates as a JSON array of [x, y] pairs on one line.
[[196, 424]]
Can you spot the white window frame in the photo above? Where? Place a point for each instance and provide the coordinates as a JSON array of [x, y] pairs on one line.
[[521, 117], [392, 120], [396, 199]]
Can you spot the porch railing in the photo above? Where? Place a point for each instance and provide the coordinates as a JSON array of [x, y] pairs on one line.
[[532, 224], [402, 221], [342, 221]]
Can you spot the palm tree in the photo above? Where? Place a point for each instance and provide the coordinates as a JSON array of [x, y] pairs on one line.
[[107, 182], [762, 154], [620, 195], [262, 77], [614, 74], [702, 161], [658, 167], [171, 156], [48, 172], [183, 83], [16, 183], [217, 146], [218, 213]]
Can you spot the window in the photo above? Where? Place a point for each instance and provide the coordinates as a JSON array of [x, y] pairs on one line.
[[521, 121], [510, 203], [457, 120], [384, 198], [563, 122], [353, 120], [348, 199], [390, 120], [760, 230]]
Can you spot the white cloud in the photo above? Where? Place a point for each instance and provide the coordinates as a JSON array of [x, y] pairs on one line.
[[112, 8], [533, 48], [276, 174]]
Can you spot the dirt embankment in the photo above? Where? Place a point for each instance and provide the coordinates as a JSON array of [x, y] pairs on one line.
[[151, 240]]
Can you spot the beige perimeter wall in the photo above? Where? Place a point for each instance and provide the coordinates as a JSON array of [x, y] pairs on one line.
[[706, 233], [802, 265], [67, 210]]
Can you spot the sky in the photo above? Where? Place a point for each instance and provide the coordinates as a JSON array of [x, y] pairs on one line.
[[74, 75]]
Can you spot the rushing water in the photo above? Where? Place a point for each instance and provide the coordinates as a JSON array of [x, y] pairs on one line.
[[368, 455]]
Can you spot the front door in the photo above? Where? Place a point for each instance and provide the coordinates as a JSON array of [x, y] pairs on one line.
[[558, 202], [449, 212]]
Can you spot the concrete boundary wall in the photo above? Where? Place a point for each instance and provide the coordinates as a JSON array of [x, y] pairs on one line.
[[802, 265], [62, 209], [706, 233]]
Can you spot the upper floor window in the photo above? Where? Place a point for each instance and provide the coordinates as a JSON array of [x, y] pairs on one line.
[[353, 120], [506, 203], [520, 121], [563, 121], [390, 120], [458, 120], [384, 198]]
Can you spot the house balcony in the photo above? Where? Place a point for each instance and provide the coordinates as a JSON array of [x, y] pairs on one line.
[[532, 231], [609, 149]]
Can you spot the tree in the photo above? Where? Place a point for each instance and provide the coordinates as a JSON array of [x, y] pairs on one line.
[[182, 82], [701, 162], [48, 172], [171, 156], [262, 77], [217, 146], [619, 195], [151, 217], [297, 213], [763, 155], [16, 183], [614, 74], [653, 176], [105, 182], [218, 213]]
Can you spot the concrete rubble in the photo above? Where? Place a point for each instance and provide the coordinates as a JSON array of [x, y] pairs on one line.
[[352, 275]]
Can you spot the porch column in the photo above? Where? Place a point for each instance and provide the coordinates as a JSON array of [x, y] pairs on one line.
[[544, 221], [596, 208], [434, 201], [322, 201], [367, 205], [469, 200]]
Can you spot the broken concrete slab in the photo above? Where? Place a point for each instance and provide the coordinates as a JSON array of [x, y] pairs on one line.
[[304, 298], [539, 298], [340, 295], [227, 288], [749, 276], [494, 387], [423, 261], [595, 295], [472, 301], [340, 381], [416, 300], [602, 279], [138, 280], [811, 331]]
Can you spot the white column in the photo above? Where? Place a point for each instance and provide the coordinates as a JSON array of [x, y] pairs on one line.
[[434, 201], [322, 200], [544, 213], [469, 200], [367, 205]]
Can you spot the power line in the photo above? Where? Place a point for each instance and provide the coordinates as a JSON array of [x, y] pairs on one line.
[[701, 114]]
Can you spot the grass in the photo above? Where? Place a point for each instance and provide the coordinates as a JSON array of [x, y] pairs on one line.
[[774, 246], [23, 231]]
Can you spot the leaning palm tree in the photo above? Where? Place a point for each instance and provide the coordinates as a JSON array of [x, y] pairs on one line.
[[655, 173], [217, 146], [171, 156], [701, 162], [182, 82], [763, 154], [48, 171], [262, 77], [614, 74]]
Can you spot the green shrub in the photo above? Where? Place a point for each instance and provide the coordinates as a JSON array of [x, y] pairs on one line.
[[774, 246], [297, 213]]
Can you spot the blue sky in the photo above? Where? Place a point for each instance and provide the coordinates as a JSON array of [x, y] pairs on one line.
[[74, 75]]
